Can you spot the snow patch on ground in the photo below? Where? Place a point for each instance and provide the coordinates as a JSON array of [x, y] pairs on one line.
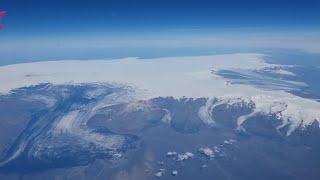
[[185, 156], [207, 152]]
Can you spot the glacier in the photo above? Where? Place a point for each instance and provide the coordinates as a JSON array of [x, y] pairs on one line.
[[178, 77]]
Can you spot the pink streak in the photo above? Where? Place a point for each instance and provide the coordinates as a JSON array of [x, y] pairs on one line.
[[2, 13]]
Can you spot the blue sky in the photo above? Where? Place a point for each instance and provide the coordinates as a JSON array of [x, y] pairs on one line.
[[35, 29]]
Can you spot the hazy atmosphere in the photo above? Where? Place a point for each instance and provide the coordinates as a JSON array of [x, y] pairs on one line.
[[159, 89]]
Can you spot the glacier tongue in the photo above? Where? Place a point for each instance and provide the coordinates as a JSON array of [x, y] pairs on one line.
[[293, 111], [205, 112]]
